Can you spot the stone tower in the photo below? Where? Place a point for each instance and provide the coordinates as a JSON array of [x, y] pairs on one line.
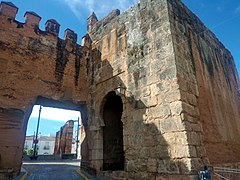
[[91, 21], [179, 95]]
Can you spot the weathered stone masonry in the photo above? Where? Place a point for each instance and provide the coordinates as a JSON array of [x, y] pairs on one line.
[[157, 91], [36, 67], [209, 68]]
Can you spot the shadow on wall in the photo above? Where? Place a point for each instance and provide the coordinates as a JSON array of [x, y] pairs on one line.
[[146, 152], [84, 141]]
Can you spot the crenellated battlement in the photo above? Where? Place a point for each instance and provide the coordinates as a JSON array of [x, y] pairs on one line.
[[8, 9], [37, 44], [32, 19], [93, 24], [52, 26], [70, 35], [8, 12]]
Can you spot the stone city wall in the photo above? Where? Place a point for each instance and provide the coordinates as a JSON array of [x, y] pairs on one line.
[[34, 63], [209, 85], [134, 52], [180, 90]]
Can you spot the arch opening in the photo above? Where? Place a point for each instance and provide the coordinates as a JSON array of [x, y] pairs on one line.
[[113, 154], [58, 131]]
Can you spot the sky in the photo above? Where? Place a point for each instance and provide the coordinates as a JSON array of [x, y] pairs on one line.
[[51, 119], [220, 16]]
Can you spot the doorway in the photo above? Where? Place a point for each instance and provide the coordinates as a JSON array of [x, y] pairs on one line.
[[113, 154]]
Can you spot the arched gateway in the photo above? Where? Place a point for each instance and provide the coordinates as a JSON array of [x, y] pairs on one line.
[[113, 154]]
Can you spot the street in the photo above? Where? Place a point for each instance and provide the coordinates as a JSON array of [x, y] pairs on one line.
[[52, 170]]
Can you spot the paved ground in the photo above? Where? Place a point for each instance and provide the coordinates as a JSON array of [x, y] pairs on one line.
[[52, 170]]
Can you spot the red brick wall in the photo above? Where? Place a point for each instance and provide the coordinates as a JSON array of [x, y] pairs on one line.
[[64, 137]]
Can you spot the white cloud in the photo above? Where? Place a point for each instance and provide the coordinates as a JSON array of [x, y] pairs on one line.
[[55, 114], [237, 10], [101, 8], [74, 6]]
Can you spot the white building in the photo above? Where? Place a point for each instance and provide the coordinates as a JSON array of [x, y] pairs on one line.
[[45, 144]]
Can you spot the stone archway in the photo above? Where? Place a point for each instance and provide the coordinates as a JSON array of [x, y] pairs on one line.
[[113, 154]]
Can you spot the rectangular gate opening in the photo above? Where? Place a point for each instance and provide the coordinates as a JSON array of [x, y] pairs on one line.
[[55, 133]]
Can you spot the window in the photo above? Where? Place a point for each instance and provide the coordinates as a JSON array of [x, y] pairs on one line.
[[46, 146]]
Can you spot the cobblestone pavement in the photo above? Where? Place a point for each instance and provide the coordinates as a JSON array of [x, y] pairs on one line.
[[52, 170]]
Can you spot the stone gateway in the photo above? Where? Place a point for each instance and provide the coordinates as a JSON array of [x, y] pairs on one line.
[[158, 93]]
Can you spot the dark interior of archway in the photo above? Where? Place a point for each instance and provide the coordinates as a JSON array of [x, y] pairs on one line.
[[113, 154]]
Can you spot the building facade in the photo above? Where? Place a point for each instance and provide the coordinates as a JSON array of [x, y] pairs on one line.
[[158, 93], [45, 145]]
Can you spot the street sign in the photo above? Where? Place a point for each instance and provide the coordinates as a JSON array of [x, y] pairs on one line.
[[35, 141]]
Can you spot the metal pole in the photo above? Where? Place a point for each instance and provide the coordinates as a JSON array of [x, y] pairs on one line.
[[33, 138], [35, 144], [77, 138]]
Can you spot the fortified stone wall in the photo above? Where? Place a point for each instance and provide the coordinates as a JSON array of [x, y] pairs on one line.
[[179, 87], [34, 63], [134, 56], [209, 85]]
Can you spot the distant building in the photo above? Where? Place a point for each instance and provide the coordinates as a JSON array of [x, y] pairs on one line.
[[45, 144], [64, 139], [73, 150]]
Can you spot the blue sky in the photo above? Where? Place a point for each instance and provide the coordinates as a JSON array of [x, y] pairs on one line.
[[46, 126], [51, 120], [221, 16]]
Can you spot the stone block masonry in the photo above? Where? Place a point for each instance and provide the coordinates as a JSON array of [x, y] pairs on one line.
[[208, 74], [35, 66], [158, 92]]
